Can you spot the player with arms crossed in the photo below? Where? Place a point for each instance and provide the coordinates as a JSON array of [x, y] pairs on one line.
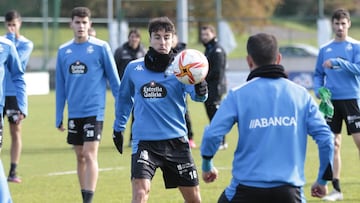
[[24, 48], [338, 69], [273, 127], [159, 130], [84, 64]]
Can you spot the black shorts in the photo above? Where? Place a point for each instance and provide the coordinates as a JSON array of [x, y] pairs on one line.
[[347, 110], [82, 130], [246, 194], [11, 109], [172, 156]]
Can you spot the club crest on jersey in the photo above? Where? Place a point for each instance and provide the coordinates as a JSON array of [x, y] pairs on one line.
[[90, 49], [153, 90], [78, 68]]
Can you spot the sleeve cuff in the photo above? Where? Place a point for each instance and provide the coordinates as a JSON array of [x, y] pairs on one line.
[[207, 165]]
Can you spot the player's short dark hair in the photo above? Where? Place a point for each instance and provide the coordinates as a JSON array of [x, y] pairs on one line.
[[134, 31], [263, 48], [161, 23], [11, 15], [209, 27], [340, 14], [80, 12]]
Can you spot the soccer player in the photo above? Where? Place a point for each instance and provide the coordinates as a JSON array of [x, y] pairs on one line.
[[337, 69], [24, 48], [84, 65], [159, 130], [216, 80], [9, 59], [274, 118]]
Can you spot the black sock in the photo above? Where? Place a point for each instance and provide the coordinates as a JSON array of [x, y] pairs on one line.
[[87, 196], [336, 184], [12, 171]]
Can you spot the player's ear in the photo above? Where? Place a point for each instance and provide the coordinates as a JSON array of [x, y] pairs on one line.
[[250, 62], [278, 58]]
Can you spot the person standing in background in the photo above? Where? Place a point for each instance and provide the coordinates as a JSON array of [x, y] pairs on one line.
[[9, 59], [130, 50], [215, 78], [338, 69], [24, 48], [84, 67], [92, 32]]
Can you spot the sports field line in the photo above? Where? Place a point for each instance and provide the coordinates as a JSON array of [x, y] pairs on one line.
[[74, 172]]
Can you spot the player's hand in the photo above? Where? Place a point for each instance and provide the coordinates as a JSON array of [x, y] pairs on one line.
[[118, 138], [201, 88], [318, 190], [61, 127], [210, 176]]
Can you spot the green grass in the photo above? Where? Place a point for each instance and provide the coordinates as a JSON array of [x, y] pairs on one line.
[[45, 152]]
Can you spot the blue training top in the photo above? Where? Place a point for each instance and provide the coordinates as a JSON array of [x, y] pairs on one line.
[[343, 80], [159, 103], [274, 117], [82, 71], [10, 61]]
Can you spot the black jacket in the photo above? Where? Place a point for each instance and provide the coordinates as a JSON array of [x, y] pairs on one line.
[[216, 80], [124, 54]]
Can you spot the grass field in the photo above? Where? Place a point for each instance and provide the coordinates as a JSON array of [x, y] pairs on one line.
[[48, 163]]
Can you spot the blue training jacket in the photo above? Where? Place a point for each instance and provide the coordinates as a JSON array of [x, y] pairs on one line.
[[9, 60], [24, 48], [82, 72], [158, 99], [343, 80], [274, 118]]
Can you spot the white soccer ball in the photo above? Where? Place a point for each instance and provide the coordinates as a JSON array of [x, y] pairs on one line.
[[190, 66]]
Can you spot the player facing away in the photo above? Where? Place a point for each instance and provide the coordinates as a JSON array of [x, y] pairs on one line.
[[269, 158], [84, 65], [338, 69], [9, 59], [24, 48], [159, 129]]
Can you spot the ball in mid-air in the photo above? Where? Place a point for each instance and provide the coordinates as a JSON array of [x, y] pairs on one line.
[[191, 66]]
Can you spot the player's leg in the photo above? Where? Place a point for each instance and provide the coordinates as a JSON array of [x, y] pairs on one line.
[[15, 150], [90, 154], [140, 190], [12, 112], [337, 162], [80, 164], [191, 194], [92, 135], [356, 138]]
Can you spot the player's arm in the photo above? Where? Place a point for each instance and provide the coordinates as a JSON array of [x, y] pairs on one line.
[[110, 70], [24, 53], [324, 139], [60, 92], [222, 122], [319, 74]]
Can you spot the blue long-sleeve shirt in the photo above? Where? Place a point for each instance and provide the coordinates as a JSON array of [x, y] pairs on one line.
[[82, 72], [24, 48], [158, 99], [343, 80], [10, 61], [274, 118]]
